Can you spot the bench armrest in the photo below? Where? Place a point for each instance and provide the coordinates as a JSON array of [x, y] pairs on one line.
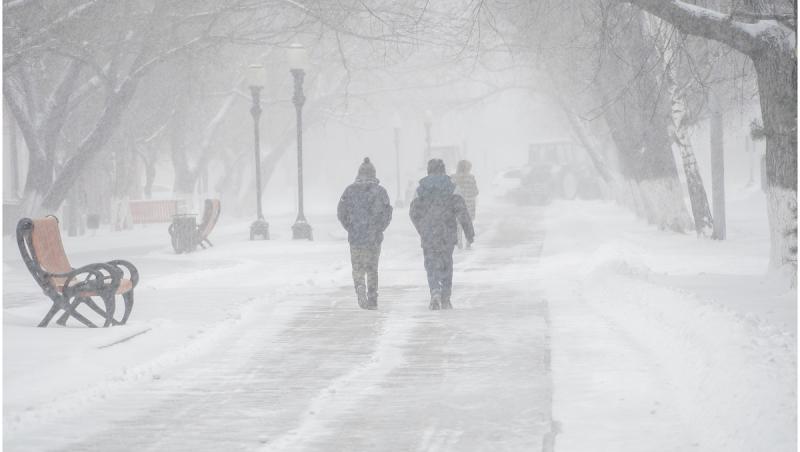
[[98, 277], [132, 271]]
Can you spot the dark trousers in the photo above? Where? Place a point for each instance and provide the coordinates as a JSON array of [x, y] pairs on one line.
[[439, 265], [365, 263]]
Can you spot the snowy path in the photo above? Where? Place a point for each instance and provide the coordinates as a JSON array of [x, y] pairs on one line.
[[260, 345], [310, 371]]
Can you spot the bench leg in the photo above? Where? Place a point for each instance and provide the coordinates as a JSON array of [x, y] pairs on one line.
[[69, 306], [70, 311], [49, 316], [89, 302], [109, 301], [128, 298]]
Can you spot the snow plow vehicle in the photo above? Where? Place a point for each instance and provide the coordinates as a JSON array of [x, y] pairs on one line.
[[555, 170]]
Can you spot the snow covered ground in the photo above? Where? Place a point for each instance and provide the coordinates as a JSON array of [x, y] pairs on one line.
[[576, 319], [666, 342], [260, 345]]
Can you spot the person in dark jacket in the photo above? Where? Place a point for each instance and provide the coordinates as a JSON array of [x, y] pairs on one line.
[[435, 212], [365, 212]]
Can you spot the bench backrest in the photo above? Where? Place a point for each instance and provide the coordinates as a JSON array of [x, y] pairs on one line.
[[154, 211], [210, 217], [42, 250]]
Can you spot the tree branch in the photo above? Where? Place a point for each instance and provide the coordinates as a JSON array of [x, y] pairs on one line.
[[703, 22], [25, 124], [57, 103]]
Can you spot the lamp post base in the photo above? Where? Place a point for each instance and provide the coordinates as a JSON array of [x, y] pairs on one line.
[[259, 228], [301, 230]]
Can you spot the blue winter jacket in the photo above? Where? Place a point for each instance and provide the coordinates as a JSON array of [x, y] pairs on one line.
[[435, 211]]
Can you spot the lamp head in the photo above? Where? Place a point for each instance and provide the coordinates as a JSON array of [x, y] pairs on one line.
[[256, 75], [397, 123], [297, 55]]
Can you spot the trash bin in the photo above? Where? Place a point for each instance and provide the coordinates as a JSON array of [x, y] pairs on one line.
[[183, 231], [93, 221]]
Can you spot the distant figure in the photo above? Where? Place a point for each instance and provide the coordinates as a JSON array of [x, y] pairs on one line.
[[365, 212], [409, 192], [435, 211], [468, 189]]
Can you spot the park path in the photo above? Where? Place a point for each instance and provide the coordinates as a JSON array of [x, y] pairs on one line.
[[312, 372]]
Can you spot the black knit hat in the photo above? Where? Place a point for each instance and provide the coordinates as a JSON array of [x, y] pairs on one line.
[[366, 170]]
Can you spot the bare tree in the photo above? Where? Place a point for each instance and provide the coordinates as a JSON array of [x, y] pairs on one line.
[[116, 44], [766, 33]]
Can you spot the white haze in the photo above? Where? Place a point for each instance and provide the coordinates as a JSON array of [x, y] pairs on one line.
[[596, 320]]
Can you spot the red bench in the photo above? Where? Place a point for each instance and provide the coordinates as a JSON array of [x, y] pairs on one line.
[[43, 252], [155, 211]]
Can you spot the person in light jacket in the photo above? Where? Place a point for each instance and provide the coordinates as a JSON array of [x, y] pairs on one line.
[[365, 212], [468, 189]]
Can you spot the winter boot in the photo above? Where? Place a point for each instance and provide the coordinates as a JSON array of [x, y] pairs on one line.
[[361, 293], [446, 303], [372, 303], [436, 301]]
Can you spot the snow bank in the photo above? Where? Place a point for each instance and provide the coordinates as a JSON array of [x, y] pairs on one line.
[[666, 342]]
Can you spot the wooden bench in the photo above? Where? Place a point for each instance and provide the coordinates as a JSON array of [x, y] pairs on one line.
[[180, 232], [210, 217], [154, 211], [42, 250]]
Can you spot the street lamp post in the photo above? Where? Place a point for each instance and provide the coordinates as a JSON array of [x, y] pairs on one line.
[[399, 201], [428, 122], [298, 61], [255, 75]]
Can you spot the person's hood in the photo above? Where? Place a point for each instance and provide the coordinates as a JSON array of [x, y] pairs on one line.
[[435, 184], [367, 180]]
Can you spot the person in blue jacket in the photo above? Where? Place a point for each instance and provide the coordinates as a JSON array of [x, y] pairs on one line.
[[435, 211]]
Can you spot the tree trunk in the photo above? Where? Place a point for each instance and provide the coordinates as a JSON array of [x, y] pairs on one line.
[[40, 177], [638, 115], [703, 223], [72, 214], [149, 178], [91, 145], [717, 167], [149, 164], [777, 85], [14, 157], [701, 212], [578, 128]]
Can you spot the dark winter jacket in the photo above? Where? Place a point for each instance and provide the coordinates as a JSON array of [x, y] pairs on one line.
[[435, 211], [365, 212]]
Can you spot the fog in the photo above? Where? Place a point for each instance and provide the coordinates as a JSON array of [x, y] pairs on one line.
[[399, 225]]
